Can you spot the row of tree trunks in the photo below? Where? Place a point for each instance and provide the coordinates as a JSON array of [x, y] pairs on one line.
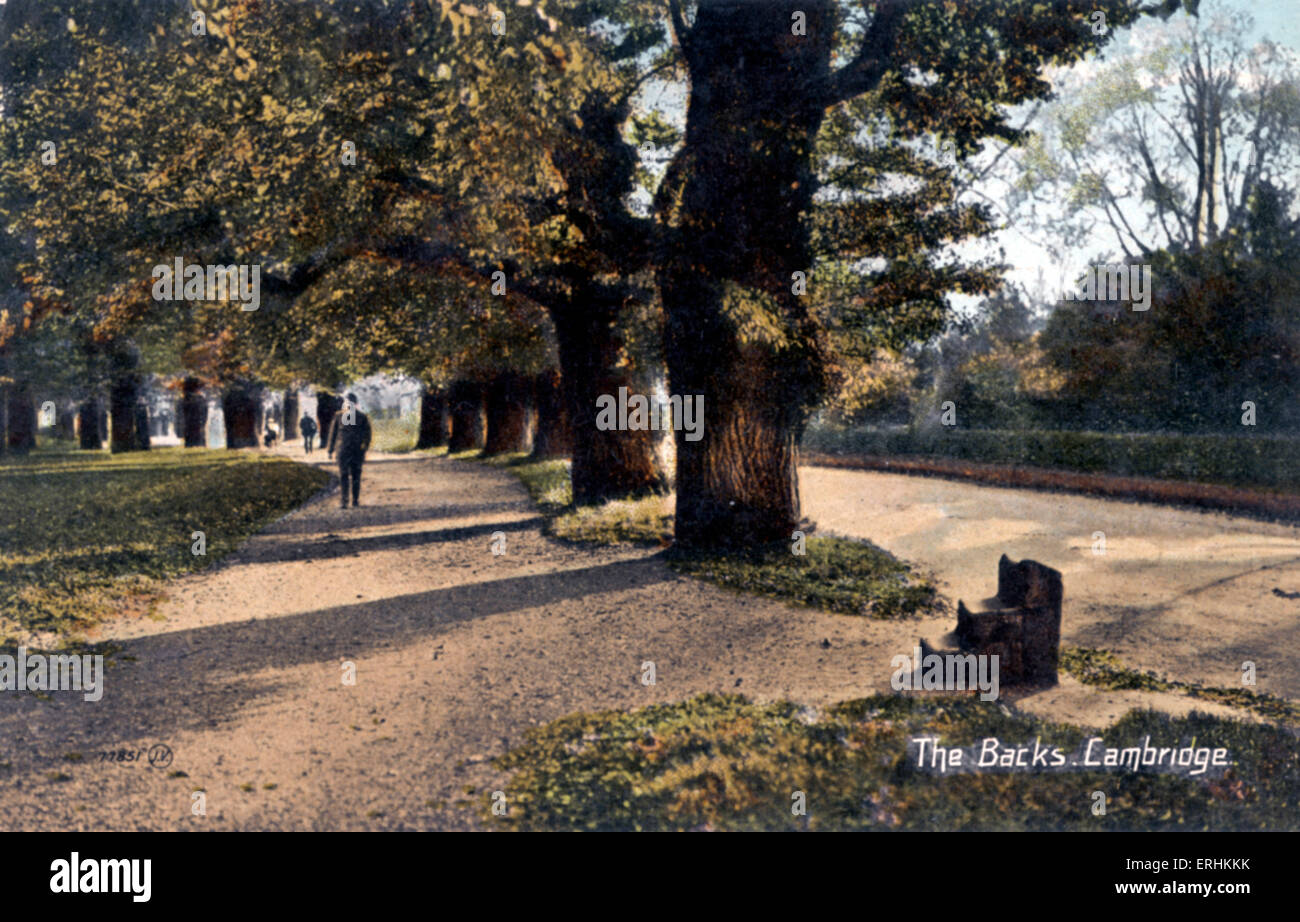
[[434, 421], [290, 414], [509, 413]]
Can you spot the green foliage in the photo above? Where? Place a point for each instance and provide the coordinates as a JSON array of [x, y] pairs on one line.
[[835, 574], [547, 482], [644, 520], [228, 148], [1243, 460], [719, 762], [394, 435], [86, 532], [1104, 670], [1221, 330]]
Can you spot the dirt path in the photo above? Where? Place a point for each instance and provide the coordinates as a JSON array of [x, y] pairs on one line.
[[457, 652], [1187, 593]]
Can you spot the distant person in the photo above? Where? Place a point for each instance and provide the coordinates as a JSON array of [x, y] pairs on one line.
[[350, 435], [308, 427], [269, 437]]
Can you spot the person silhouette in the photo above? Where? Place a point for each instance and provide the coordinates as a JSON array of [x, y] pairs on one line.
[[350, 435], [308, 427]]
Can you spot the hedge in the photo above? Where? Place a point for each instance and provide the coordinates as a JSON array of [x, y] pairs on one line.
[[1239, 460]]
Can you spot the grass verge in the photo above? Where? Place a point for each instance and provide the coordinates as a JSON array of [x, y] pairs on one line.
[[720, 762], [849, 577], [394, 435], [86, 534], [1104, 670]]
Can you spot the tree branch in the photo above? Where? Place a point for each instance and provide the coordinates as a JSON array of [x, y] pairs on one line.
[[865, 70]]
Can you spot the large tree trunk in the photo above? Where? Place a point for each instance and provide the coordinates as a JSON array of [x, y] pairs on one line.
[[509, 402], [239, 405], [468, 427], [551, 433], [88, 426], [290, 414], [123, 394], [734, 202], [192, 414], [22, 419], [433, 419]]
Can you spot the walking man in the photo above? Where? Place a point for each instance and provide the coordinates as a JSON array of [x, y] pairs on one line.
[[308, 427], [350, 435]]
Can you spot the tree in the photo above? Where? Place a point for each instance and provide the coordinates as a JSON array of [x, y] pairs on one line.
[[1165, 148], [736, 200], [1221, 330]]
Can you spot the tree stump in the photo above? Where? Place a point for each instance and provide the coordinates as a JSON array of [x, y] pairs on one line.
[[1022, 625]]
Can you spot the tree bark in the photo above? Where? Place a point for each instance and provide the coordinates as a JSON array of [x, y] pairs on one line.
[[468, 427], [290, 413], [65, 422], [22, 419], [239, 405], [142, 426], [606, 464], [509, 401], [734, 203], [192, 414], [433, 419], [123, 393], [88, 426], [327, 405], [551, 433]]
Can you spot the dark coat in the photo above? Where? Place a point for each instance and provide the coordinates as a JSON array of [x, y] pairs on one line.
[[351, 440]]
